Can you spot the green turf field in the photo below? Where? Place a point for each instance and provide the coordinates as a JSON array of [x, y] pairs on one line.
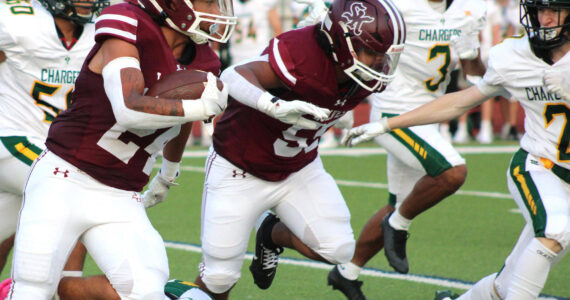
[[464, 238]]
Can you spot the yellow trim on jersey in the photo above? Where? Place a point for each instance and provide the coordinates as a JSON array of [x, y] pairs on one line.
[[26, 151], [529, 199], [411, 142], [189, 283]]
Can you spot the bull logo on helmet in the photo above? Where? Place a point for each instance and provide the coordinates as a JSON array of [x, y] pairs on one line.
[[356, 17]]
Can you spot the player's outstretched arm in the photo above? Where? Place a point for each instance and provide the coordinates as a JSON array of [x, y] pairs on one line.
[[118, 62], [444, 108], [248, 84]]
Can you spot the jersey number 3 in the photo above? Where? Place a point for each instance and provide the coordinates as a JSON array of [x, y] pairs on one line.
[[435, 51]]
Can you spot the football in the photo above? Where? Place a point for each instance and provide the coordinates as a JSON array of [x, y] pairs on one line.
[[184, 84]]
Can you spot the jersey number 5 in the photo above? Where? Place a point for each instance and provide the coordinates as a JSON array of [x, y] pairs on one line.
[[40, 89]]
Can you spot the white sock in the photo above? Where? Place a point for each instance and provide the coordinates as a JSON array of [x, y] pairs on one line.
[[484, 289], [398, 222], [486, 125], [462, 126], [349, 270], [530, 272]]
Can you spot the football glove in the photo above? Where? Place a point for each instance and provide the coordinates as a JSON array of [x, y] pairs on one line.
[[465, 47], [557, 82], [291, 112], [317, 12], [213, 100], [157, 190], [346, 121], [365, 132]]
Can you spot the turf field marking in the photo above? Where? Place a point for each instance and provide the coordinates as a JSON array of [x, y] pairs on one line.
[[342, 151], [382, 186], [418, 278]]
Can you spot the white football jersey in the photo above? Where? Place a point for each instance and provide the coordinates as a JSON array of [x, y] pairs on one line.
[[514, 70], [423, 71], [253, 31], [38, 75]]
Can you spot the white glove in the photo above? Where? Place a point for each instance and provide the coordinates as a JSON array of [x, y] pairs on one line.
[[557, 82], [317, 12], [213, 100], [465, 46], [365, 132], [291, 112], [157, 189], [346, 121]]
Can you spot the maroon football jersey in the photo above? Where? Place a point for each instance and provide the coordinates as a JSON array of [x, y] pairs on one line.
[[267, 147], [87, 134]]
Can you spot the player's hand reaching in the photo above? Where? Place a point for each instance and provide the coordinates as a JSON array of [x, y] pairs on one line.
[[557, 82], [365, 132], [291, 112], [214, 100], [317, 12], [157, 190]]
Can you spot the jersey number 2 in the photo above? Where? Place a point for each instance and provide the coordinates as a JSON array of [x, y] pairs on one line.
[[550, 112]]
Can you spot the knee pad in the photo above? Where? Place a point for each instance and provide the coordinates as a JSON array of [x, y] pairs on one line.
[[159, 295], [219, 283], [339, 252]]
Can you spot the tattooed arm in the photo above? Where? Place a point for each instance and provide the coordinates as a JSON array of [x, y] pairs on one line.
[[118, 62]]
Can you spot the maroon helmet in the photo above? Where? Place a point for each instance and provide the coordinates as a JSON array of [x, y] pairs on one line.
[[181, 16], [375, 26]]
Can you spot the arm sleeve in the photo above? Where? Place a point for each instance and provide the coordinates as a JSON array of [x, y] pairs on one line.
[[125, 116], [240, 88]]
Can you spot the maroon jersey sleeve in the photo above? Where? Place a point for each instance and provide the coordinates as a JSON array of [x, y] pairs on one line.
[[117, 21], [87, 134], [266, 147]]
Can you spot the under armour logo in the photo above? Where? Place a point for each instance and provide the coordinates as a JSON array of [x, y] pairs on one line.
[[340, 102], [356, 17], [136, 197], [62, 172], [235, 174]]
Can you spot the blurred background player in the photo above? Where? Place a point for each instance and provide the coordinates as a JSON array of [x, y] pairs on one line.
[[265, 153], [423, 167], [502, 22], [100, 151], [534, 70], [43, 45]]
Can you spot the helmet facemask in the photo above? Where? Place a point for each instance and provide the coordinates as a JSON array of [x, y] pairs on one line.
[[181, 16], [372, 27], [69, 9], [376, 76], [544, 38]]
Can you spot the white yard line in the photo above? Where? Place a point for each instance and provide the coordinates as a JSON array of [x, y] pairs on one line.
[[354, 152], [445, 282]]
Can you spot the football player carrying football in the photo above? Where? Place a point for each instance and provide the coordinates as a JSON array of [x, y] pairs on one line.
[[265, 151], [534, 70], [423, 167], [46, 43], [86, 185]]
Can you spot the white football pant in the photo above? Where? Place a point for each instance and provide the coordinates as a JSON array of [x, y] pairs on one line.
[[63, 204], [308, 202]]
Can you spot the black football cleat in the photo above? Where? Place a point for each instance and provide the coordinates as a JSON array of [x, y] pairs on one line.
[[395, 246], [350, 288], [445, 295], [264, 264]]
